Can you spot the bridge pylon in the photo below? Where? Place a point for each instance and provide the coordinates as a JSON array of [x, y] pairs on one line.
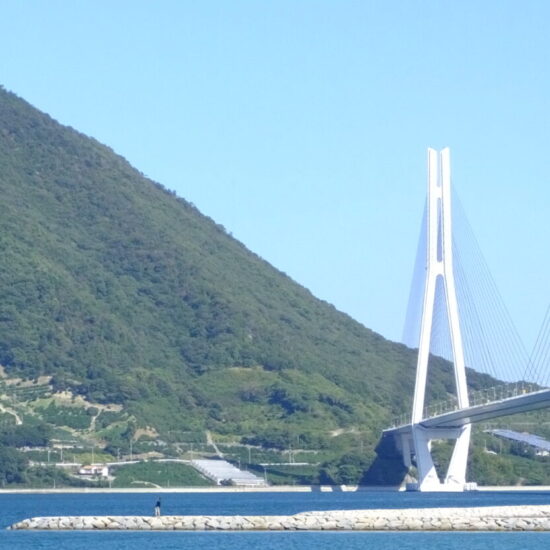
[[439, 273]]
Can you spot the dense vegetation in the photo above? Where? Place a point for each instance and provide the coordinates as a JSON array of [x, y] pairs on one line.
[[13, 463], [126, 293]]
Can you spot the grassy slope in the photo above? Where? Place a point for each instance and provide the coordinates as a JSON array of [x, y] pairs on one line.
[[147, 474]]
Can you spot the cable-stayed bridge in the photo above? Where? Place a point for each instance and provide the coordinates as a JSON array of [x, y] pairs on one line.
[[461, 317]]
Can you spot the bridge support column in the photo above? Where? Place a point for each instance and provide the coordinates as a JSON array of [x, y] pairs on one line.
[[439, 271], [456, 473], [405, 448], [428, 479]]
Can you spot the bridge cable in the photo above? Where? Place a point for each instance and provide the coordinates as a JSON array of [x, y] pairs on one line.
[[539, 348], [542, 358], [506, 345], [544, 362], [481, 339], [468, 310], [413, 318]]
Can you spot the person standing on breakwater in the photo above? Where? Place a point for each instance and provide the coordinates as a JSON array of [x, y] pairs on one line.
[[157, 507]]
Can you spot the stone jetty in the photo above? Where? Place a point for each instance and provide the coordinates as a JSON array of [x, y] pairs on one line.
[[501, 518]]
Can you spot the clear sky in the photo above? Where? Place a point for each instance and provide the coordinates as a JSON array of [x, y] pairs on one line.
[[302, 125]]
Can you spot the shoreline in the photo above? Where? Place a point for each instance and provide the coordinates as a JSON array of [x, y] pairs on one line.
[[243, 489]]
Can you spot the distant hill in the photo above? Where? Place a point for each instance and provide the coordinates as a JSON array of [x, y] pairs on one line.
[[125, 293]]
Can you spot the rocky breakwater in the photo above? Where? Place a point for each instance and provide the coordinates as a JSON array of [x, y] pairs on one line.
[[501, 518]]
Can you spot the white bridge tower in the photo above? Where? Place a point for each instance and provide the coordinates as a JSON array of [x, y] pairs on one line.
[[439, 271]]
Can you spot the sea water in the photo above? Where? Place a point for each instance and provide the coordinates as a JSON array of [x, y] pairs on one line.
[[15, 507]]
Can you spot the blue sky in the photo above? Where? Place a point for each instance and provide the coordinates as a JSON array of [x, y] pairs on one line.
[[302, 126]]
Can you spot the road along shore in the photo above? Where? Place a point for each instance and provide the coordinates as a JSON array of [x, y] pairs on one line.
[[496, 518], [243, 489]]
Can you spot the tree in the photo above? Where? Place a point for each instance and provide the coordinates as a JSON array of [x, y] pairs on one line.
[[12, 466]]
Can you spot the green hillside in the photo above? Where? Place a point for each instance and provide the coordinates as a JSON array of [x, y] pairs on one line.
[[126, 294]]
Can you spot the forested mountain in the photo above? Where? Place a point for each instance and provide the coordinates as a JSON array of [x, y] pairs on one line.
[[126, 293]]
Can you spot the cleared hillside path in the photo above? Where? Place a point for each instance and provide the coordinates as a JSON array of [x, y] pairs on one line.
[[210, 441], [7, 410]]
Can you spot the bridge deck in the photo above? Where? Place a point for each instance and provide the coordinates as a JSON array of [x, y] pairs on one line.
[[480, 413]]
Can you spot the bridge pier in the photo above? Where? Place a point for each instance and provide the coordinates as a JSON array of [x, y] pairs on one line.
[[414, 440], [439, 271], [428, 479], [456, 473]]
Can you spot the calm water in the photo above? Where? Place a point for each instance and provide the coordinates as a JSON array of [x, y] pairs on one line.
[[17, 507]]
